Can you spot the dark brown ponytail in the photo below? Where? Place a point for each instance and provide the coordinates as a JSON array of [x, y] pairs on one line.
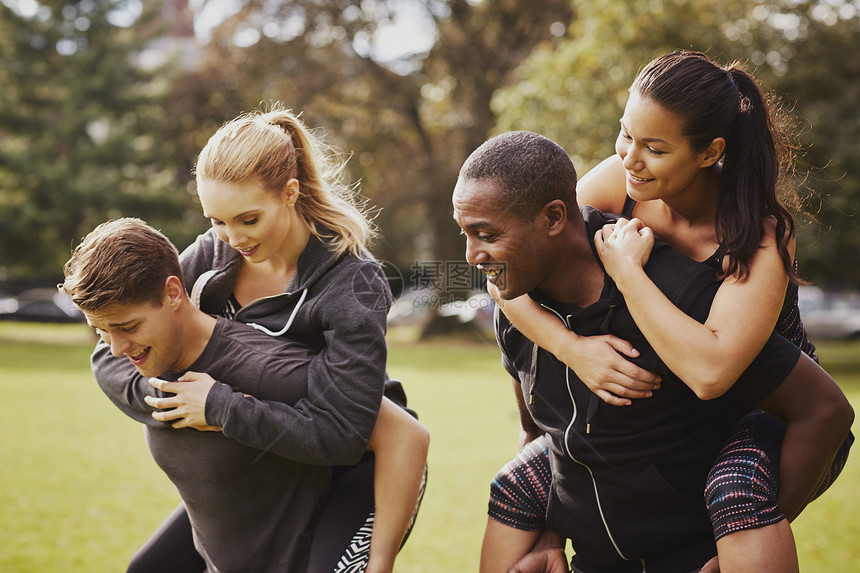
[[752, 165], [714, 101]]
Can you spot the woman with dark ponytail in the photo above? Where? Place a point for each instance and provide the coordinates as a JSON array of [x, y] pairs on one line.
[[702, 161]]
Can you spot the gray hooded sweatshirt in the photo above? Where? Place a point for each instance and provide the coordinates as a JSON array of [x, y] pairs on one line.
[[335, 305]]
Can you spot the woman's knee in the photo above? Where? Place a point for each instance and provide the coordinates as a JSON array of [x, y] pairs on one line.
[[519, 492], [742, 487]]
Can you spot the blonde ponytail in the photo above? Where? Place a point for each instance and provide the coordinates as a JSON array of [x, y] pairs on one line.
[[275, 146]]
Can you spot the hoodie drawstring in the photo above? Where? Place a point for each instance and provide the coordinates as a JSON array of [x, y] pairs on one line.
[[262, 328], [594, 401]]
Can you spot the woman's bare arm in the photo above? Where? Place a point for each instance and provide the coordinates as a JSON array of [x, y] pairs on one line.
[[708, 357], [597, 360], [604, 187]]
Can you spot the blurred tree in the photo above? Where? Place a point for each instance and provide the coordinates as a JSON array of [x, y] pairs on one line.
[[79, 139], [822, 74], [574, 92], [409, 120]]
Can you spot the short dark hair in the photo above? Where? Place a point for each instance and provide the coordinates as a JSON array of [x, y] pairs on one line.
[[124, 261], [531, 171]]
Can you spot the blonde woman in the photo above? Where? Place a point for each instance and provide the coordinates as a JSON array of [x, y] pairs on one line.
[[287, 253]]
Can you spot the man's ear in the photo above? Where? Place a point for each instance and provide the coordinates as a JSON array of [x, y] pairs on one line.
[[714, 152], [555, 214], [174, 292]]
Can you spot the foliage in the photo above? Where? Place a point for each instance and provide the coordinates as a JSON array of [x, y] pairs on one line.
[[408, 123], [823, 76], [79, 139], [86, 133], [574, 92]]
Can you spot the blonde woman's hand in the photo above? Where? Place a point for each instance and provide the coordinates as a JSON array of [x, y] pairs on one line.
[[186, 408]]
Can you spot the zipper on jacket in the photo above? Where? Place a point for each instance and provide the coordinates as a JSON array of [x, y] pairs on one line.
[[567, 433], [533, 373]]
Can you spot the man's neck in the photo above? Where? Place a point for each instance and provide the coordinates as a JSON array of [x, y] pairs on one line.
[[197, 329], [578, 277]]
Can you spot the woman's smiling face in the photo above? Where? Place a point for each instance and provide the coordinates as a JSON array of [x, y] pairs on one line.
[[656, 154], [257, 223]]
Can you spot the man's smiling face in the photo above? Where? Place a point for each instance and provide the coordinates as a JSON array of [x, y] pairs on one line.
[[148, 334], [498, 242]]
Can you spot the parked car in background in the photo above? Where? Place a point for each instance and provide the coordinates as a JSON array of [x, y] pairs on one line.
[[477, 310], [433, 313], [40, 305], [829, 315]]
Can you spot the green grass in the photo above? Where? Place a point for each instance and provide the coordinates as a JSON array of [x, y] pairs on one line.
[[78, 489], [827, 531], [80, 493]]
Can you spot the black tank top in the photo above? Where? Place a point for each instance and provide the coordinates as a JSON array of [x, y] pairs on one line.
[[789, 323]]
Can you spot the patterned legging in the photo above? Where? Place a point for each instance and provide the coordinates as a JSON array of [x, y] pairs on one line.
[[519, 492], [741, 490]]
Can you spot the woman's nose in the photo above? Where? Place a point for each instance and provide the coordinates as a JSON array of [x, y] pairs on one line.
[[236, 238], [630, 158]]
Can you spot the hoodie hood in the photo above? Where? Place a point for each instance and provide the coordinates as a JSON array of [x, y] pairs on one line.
[[213, 279], [212, 267]]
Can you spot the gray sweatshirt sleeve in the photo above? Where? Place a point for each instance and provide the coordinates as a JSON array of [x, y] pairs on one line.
[[197, 258], [332, 426], [124, 385]]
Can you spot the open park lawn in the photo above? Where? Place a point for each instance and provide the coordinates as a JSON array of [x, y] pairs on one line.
[[79, 492]]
